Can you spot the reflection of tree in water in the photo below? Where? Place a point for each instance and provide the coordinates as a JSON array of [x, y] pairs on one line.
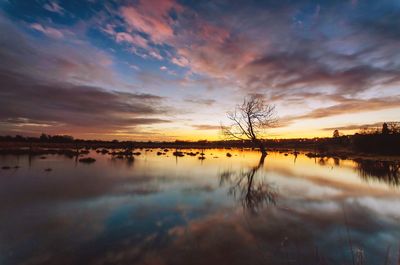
[[336, 160], [253, 193], [322, 161], [386, 171]]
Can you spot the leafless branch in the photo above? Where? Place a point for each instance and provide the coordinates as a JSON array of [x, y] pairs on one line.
[[250, 120]]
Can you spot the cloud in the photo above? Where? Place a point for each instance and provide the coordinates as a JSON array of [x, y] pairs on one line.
[[134, 67], [155, 54], [296, 71], [48, 31], [54, 7], [132, 39], [146, 97], [180, 61], [346, 106], [354, 106], [152, 18], [352, 127], [73, 107], [58, 87], [139, 45], [71, 60], [327, 57], [279, 48], [200, 101], [275, 49], [204, 127], [210, 48]]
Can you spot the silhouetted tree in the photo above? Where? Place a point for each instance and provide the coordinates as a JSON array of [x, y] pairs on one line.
[[394, 127], [44, 137], [385, 128], [61, 139], [249, 121], [336, 134], [19, 138]]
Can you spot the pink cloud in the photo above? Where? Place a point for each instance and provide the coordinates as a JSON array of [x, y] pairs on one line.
[[180, 61], [136, 40], [214, 33], [197, 42], [155, 54], [109, 29], [233, 52], [48, 31], [151, 17]]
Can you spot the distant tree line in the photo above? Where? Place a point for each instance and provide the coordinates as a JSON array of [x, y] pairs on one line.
[[43, 138], [383, 140]]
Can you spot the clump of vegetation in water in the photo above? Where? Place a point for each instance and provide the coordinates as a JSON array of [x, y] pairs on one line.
[[104, 151], [87, 160], [178, 153]]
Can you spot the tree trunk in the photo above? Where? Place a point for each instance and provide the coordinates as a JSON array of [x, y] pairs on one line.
[[261, 146], [262, 149], [262, 158]]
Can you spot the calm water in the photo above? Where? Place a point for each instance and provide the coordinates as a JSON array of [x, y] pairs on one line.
[[221, 210]]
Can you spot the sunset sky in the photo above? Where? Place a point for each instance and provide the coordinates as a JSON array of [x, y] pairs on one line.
[[166, 70]]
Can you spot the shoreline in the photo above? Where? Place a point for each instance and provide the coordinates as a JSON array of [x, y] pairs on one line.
[[73, 149]]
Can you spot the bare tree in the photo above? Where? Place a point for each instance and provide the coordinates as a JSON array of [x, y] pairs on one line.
[[249, 121], [394, 127]]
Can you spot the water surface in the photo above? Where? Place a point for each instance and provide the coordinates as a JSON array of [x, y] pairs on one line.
[[220, 210]]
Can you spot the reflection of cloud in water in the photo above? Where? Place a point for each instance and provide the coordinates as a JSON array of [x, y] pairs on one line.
[[162, 213], [387, 209], [198, 189], [277, 236], [306, 188], [38, 189], [293, 183]]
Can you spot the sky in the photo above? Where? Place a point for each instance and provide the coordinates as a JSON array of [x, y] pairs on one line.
[[168, 69]]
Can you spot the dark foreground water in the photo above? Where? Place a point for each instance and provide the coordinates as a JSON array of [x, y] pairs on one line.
[[220, 210]]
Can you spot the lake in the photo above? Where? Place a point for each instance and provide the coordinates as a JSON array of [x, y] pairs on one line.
[[162, 209]]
